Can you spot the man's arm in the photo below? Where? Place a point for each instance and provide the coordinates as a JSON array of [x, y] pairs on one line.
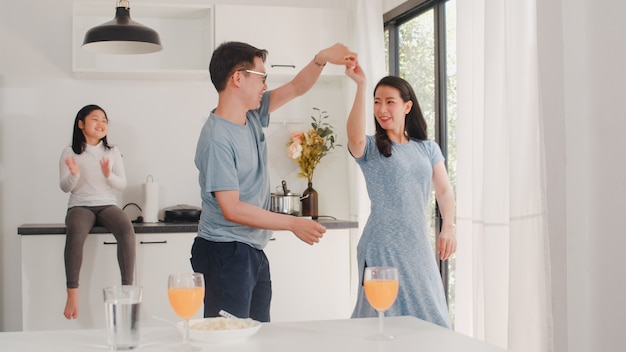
[[337, 54], [234, 210]]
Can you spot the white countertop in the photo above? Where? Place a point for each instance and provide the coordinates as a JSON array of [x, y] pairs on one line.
[[411, 334]]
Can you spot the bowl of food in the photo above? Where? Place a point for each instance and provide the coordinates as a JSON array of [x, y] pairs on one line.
[[220, 329]]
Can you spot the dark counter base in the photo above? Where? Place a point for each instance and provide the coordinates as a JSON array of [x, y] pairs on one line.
[[160, 227]]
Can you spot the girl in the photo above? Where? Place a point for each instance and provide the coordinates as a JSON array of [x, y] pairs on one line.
[[92, 170], [399, 163]]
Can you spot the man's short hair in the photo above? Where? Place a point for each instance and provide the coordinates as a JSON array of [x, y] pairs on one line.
[[229, 57]]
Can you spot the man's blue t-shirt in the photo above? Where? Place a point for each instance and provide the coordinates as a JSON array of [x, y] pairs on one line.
[[230, 156]]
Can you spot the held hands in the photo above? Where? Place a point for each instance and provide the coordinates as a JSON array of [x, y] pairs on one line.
[[337, 54], [446, 245], [356, 73]]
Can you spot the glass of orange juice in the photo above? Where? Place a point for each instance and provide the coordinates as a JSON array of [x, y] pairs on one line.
[[381, 289], [186, 293]]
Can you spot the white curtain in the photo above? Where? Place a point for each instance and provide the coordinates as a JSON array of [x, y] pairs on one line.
[[502, 269], [366, 19]]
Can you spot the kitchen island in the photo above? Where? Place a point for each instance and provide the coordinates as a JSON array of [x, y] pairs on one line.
[[411, 334], [321, 274]]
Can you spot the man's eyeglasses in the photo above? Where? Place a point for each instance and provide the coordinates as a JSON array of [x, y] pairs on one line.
[[262, 74]]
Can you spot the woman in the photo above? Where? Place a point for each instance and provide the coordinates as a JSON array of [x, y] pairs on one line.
[[399, 163], [92, 171]]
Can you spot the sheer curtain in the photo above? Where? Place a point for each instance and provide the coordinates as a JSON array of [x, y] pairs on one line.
[[503, 269], [366, 19]]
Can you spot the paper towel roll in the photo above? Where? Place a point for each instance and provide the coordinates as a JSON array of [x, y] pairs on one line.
[[150, 211]]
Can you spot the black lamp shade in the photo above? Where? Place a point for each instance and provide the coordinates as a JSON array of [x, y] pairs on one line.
[[122, 35]]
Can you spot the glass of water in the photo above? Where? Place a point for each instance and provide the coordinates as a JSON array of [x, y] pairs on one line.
[[121, 309]]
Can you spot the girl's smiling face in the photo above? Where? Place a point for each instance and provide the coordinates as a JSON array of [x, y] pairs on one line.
[[94, 127], [389, 108]]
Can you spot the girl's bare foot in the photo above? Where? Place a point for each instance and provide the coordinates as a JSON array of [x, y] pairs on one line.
[[71, 306]]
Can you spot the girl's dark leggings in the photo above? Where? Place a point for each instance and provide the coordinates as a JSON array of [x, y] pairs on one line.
[[79, 221]]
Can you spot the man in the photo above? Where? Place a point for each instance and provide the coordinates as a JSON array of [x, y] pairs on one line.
[[231, 157]]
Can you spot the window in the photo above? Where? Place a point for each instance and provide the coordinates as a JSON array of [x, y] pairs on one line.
[[420, 41]]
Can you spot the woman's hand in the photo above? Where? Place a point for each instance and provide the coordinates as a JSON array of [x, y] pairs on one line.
[[446, 245], [356, 73], [104, 165], [72, 165]]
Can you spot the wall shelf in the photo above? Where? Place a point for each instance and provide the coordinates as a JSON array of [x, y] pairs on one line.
[[292, 35], [186, 33]]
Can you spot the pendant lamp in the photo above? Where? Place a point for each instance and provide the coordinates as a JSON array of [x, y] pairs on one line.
[[122, 35]]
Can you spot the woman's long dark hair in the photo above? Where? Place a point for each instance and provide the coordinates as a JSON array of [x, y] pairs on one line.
[[78, 138], [414, 123]]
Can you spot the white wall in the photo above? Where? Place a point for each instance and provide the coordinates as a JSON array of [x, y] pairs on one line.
[[595, 82], [582, 55], [155, 123], [391, 4], [583, 86]]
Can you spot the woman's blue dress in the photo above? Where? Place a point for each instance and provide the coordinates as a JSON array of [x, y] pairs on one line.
[[396, 233]]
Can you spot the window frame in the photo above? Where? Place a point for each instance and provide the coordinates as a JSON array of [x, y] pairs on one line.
[[392, 20]]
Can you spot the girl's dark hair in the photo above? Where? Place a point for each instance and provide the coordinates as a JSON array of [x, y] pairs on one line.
[[230, 57], [414, 123], [78, 138]]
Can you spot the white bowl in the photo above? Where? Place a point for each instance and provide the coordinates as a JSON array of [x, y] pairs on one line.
[[220, 329]]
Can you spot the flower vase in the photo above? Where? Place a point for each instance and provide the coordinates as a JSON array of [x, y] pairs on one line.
[[309, 202]]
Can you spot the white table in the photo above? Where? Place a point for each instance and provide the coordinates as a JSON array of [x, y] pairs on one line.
[[411, 334]]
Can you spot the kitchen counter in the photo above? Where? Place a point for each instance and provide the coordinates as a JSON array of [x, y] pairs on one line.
[[160, 227], [319, 274]]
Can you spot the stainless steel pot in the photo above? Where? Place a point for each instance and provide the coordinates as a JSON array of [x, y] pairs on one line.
[[285, 204]]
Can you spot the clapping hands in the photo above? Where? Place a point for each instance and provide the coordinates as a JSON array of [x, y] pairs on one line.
[[104, 165], [72, 165]]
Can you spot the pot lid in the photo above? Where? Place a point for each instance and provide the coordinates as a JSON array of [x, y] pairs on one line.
[[181, 207], [289, 194]]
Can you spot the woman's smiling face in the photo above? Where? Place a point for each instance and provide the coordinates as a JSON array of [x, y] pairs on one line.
[[389, 108]]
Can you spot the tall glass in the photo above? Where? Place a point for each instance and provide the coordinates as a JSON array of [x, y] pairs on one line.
[[186, 293], [381, 289], [122, 305]]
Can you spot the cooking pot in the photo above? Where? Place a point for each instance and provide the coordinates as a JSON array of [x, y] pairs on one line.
[[285, 202]]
